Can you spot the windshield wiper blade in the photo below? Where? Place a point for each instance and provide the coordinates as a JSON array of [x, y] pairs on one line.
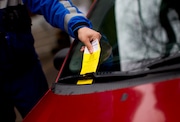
[[99, 76], [117, 75], [168, 61]]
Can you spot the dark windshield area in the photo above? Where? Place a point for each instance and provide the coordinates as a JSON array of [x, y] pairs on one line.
[[147, 31], [134, 34]]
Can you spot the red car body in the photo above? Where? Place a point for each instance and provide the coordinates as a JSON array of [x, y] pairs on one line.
[[152, 102]]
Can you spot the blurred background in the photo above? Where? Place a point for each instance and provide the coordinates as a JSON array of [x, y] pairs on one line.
[[49, 40]]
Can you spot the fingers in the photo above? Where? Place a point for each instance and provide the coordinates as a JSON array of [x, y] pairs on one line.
[[89, 46], [82, 48], [86, 35]]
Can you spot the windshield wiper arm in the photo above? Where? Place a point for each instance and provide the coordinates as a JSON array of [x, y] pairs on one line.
[[117, 75], [99, 76], [168, 61]]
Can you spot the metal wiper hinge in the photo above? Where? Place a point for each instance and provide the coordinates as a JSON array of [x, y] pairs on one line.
[[74, 78]]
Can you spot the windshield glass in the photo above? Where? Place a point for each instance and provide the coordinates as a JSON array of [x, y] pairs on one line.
[[146, 30], [134, 33]]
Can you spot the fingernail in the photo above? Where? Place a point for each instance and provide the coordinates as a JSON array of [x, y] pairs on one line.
[[90, 51]]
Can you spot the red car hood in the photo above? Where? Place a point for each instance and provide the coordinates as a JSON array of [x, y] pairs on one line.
[[152, 102]]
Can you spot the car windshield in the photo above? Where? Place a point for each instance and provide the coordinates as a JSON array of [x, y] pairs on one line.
[[134, 34]]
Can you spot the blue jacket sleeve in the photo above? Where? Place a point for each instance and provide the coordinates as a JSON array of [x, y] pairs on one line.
[[59, 13]]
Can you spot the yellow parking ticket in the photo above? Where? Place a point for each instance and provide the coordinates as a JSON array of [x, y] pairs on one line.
[[90, 62]]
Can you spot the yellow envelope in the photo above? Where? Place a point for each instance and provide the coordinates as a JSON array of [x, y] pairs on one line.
[[90, 62]]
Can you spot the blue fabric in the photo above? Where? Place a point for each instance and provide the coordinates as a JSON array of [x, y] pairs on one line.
[[17, 52], [22, 92], [54, 12], [22, 81]]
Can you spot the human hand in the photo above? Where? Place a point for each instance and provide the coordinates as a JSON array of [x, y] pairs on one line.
[[86, 35]]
